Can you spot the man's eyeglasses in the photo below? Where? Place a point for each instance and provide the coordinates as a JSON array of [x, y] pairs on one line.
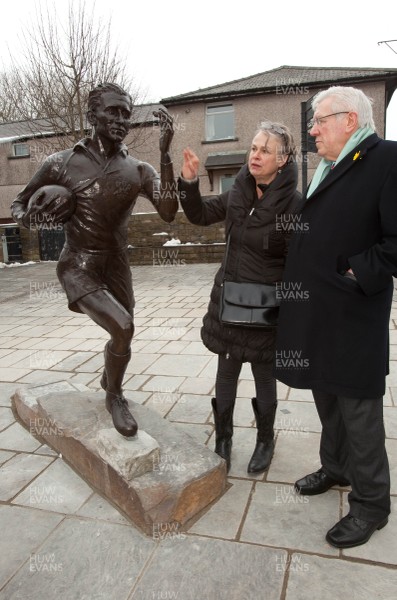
[[319, 120]]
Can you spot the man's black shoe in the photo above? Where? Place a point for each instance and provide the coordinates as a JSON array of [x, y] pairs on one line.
[[350, 531], [316, 483]]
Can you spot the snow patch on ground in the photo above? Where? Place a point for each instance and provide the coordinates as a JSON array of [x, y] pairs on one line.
[[24, 264], [17, 264], [176, 242], [173, 242]]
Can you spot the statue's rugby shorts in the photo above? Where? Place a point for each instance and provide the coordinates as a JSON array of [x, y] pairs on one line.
[[81, 273]]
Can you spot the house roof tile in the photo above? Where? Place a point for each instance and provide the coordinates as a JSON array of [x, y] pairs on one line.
[[284, 76], [20, 130]]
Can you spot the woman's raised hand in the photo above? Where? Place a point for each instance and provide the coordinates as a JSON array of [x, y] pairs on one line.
[[190, 166]]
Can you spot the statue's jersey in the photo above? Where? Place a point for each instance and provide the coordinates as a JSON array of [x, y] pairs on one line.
[[106, 191]]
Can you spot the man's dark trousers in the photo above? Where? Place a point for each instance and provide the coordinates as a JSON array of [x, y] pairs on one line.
[[352, 447]]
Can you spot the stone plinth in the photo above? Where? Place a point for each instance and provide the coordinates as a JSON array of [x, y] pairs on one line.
[[184, 476], [130, 457]]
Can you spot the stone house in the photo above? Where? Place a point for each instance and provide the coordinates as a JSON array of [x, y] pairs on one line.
[[218, 123]]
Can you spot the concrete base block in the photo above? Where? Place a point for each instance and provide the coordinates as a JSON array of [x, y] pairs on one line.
[[182, 477]]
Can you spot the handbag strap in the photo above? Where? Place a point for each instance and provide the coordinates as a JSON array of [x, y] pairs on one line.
[[226, 253]]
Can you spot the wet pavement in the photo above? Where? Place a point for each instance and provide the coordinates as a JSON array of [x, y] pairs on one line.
[[260, 540]]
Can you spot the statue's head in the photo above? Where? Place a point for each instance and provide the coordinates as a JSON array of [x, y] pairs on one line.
[[109, 112], [95, 95]]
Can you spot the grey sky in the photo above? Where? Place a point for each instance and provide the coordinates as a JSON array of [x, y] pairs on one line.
[[174, 47]]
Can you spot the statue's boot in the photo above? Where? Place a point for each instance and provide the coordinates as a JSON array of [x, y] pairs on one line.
[[104, 378], [111, 381]]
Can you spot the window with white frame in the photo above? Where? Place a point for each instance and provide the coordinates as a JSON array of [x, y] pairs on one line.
[[20, 149], [226, 182], [219, 122]]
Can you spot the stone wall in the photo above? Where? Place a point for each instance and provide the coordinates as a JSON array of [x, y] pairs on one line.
[[147, 234], [30, 244]]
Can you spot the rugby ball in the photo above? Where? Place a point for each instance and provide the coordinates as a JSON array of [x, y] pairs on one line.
[[56, 201]]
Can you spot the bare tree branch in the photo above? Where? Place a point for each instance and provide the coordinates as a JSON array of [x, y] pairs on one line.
[[62, 62]]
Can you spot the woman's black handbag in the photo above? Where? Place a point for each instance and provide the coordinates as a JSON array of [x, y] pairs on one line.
[[249, 304]]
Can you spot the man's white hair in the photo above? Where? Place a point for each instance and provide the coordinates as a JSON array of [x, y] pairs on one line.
[[350, 99]]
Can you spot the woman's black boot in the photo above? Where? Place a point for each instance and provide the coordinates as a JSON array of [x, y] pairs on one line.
[[262, 456], [223, 432]]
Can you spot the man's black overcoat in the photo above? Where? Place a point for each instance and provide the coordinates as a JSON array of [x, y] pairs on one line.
[[334, 332]]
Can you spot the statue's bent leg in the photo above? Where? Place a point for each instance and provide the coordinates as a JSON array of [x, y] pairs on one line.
[[107, 312], [117, 405]]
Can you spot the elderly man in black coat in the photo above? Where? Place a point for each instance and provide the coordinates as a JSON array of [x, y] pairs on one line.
[[334, 338]]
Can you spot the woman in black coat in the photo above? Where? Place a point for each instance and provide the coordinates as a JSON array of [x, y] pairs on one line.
[[256, 211]]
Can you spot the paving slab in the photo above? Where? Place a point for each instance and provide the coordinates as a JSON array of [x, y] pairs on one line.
[[42, 377], [22, 531], [224, 518], [97, 507], [15, 437], [243, 414], [5, 351], [334, 579], [6, 391], [82, 560], [57, 489], [46, 451], [74, 361], [5, 455], [19, 471], [42, 359], [11, 374], [196, 348], [387, 398], [6, 417], [140, 361], [197, 431], [189, 366], [277, 516], [295, 456], [391, 449], [297, 417], [135, 382], [161, 402], [197, 385], [390, 415], [192, 567], [300, 395], [161, 384], [191, 408]]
